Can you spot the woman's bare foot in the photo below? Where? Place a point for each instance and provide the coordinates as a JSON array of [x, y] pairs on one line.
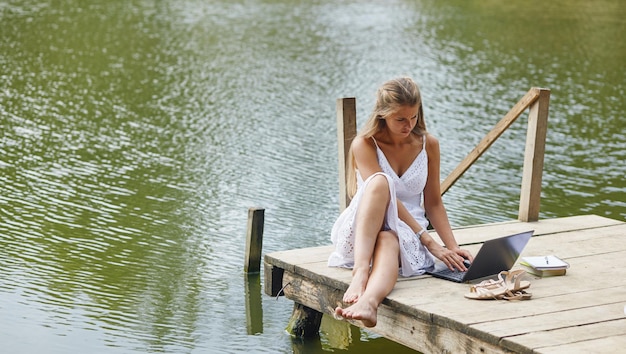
[[361, 311], [357, 286]]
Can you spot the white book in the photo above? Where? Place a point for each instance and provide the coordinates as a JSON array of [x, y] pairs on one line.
[[545, 262]]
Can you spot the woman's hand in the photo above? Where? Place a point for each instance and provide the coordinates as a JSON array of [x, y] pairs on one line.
[[453, 259]]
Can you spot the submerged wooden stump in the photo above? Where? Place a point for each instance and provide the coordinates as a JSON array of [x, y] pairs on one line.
[[305, 322]]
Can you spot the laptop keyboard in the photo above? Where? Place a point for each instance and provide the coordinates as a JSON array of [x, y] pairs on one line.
[[452, 274]]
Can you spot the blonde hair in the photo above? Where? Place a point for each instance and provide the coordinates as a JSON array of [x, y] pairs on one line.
[[393, 94]]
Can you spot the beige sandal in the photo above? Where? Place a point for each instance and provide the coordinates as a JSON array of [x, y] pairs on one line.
[[513, 280], [517, 295], [487, 290], [509, 286]]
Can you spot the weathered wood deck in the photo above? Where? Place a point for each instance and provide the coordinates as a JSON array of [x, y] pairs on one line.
[[581, 312]]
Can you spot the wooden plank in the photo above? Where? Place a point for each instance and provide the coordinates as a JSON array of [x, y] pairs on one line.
[[343, 275], [290, 258], [602, 337], [601, 345], [542, 341], [303, 255], [579, 243], [481, 233], [548, 321], [490, 138], [530, 195]]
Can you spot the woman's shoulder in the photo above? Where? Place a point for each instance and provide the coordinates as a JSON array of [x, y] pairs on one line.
[[432, 146], [363, 147], [362, 142]]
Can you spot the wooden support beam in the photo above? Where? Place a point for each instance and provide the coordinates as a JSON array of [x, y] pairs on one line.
[[529, 98], [273, 280], [346, 131], [530, 195]]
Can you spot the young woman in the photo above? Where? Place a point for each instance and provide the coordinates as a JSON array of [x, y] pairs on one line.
[[394, 181]]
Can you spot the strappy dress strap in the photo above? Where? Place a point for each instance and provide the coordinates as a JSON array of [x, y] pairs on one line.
[[375, 143], [423, 141]]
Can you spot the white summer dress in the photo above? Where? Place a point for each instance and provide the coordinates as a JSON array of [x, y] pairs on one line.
[[415, 259]]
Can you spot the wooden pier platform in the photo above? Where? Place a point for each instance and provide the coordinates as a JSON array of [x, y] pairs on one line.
[[581, 312]]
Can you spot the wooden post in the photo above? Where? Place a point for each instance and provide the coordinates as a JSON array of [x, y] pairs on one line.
[[346, 131], [254, 240], [530, 195]]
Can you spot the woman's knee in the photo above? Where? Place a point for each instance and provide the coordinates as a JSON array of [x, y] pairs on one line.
[[378, 185]]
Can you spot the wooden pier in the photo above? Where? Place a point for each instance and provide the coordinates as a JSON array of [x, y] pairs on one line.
[[581, 312]]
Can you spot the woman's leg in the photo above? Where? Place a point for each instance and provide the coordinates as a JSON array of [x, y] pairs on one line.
[[369, 221], [380, 283]]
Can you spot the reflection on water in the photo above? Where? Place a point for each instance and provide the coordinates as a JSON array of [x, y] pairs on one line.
[[135, 135], [254, 304]]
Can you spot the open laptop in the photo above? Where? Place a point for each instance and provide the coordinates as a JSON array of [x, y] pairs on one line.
[[494, 256]]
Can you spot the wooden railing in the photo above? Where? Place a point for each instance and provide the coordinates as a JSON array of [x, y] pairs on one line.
[[537, 99]]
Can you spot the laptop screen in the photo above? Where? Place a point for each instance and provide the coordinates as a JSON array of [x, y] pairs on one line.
[[497, 255]]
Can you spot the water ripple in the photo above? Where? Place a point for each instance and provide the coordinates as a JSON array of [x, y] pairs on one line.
[[135, 136]]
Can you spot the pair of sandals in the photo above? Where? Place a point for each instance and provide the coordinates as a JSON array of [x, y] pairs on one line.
[[509, 286]]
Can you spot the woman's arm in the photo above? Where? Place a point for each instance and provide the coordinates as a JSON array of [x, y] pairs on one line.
[[433, 204]]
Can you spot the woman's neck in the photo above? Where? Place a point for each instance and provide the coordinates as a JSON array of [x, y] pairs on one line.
[[389, 139]]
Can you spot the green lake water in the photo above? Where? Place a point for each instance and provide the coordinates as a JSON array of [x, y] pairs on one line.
[[135, 135]]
